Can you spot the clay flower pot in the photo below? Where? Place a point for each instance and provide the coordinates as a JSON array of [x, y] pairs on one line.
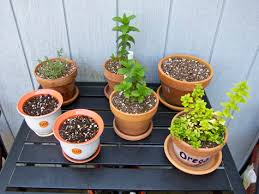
[[133, 126], [191, 156], [173, 89], [64, 85], [84, 150], [112, 78], [41, 125]]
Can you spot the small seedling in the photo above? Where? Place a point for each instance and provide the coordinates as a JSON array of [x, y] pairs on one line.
[[52, 69], [133, 86], [124, 40], [201, 124]]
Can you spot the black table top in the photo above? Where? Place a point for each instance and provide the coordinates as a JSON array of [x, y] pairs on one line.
[[36, 164]]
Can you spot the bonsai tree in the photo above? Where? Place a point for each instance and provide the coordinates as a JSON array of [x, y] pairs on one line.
[[52, 69], [200, 125], [124, 40], [133, 86]]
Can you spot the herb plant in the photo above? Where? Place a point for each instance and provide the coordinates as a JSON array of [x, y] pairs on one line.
[[133, 86], [200, 124], [124, 40], [52, 69]]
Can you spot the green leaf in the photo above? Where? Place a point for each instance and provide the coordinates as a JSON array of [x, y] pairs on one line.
[[117, 19]]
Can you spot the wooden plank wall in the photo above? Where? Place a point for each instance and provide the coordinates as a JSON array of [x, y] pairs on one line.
[[223, 32]]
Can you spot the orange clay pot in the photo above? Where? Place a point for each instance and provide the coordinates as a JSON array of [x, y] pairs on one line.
[[173, 89], [133, 124], [64, 85], [112, 78], [192, 156]]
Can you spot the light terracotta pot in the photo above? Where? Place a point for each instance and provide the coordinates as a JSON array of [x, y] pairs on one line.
[[64, 85], [191, 156], [84, 150], [41, 125], [112, 78], [173, 89], [133, 124]]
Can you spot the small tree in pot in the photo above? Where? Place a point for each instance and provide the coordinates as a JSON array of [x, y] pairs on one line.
[[199, 133], [59, 74], [133, 103], [125, 41]]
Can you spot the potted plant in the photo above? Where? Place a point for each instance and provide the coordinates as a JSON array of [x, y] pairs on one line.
[[179, 74], [125, 40], [58, 74], [133, 103], [199, 133], [40, 109], [78, 132]]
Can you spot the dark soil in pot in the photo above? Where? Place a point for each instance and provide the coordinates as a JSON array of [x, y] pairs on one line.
[[78, 129], [40, 105], [125, 105], [113, 66], [185, 69], [69, 68]]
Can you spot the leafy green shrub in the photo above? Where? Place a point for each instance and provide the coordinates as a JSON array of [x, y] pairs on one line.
[[201, 124], [50, 69], [124, 40], [133, 86]]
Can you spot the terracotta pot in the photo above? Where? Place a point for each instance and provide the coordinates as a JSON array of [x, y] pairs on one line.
[[191, 156], [84, 150], [41, 125], [173, 89], [133, 124], [112, 78], [64, 85]]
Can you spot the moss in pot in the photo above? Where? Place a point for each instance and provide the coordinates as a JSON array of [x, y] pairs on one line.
[[133, 103], [59, 74], [125, 41], [199, 133], [78, 132]]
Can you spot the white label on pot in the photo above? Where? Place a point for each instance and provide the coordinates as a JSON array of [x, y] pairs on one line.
[[188, 158], [130, 55]]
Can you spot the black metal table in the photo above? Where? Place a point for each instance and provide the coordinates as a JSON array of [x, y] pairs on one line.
[[36, 164]]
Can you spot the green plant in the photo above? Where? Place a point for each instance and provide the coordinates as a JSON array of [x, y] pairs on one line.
[[133, 86], [200, 124], [124, 40], [52, 69]]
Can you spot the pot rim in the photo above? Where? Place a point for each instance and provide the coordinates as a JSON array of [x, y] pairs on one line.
[[75, 112], [183, 56], [203, 150], [28, 95], [52, 59], [128, 114]]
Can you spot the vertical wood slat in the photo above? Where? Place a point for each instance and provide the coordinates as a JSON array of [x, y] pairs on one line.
[[192, 27], [245, 126], [5, 131], [233, 54], [152, 19], [14, 77], [92, 39], [43, 30]]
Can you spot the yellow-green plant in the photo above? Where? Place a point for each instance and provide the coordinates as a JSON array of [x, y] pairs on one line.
[[124, 39], [201, 124], [52, 69], [133, 86]]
